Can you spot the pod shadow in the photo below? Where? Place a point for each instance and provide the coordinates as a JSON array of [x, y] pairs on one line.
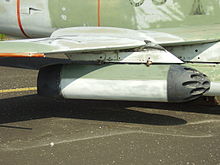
[[36, 107], [197, 106]]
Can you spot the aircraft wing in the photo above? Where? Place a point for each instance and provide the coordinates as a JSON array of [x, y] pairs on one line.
[[86, 39], [105, 39], [72, 40], [186, 35], [92, 43]]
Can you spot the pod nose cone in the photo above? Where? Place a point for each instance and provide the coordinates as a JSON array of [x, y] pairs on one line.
[[186, 84]]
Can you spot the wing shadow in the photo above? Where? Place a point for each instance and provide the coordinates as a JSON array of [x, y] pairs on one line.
[[31, 63]]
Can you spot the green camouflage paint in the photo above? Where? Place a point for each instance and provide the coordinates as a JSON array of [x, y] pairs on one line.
[[140, 14], [116, 72]]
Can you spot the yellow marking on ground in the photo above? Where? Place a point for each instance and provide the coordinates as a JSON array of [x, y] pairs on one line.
[[18, 90]]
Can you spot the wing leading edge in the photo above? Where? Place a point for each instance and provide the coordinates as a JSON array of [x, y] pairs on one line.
[[91, 44], [74, 40]]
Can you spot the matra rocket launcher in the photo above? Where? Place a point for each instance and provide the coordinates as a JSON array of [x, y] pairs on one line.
[[171, 55]]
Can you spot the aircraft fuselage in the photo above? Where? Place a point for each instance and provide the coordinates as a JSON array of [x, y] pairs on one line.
[[39, 18]]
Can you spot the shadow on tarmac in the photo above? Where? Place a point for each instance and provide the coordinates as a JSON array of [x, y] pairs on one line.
[[31, 63], [35, 107], [197, 106]]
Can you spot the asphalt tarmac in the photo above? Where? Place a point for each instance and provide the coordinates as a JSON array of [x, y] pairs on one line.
[[35, 130]]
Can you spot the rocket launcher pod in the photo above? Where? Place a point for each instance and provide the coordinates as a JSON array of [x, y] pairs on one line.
[[130, 82]]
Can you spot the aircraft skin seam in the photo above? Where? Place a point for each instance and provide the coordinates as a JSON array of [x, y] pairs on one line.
[[18, 3]]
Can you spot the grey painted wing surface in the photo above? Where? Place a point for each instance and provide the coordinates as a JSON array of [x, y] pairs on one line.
[[73, 40], [102, 31], [68, 45], [88, 39], [91, 44], [186, 35]]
